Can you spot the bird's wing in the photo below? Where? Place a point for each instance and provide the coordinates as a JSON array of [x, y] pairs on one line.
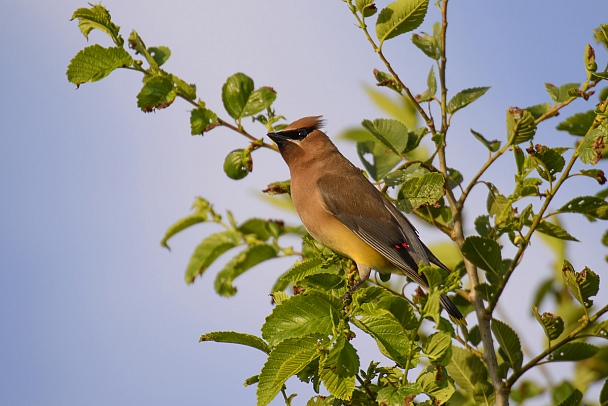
[[365, 211]]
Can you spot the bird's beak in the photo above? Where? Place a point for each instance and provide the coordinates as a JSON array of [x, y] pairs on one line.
[[278, 138]]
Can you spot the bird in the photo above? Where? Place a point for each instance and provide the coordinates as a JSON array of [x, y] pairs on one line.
[[344, 211]]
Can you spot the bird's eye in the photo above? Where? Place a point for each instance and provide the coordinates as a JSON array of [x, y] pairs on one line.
[[302, 133]]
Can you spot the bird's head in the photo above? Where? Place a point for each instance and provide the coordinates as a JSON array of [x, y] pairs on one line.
[[296, 132]]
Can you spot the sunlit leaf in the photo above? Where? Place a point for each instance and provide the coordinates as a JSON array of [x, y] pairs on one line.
[[383, 158], [435, 383], [582, 285], [157, 93], [201, 214], [520, 125], [95, 62], [287, 359], [391, 133], [399, 17], [562, 93], [464, 98], [202, 120], [422, 190], [233, 337], [300, 316], [208, 251], [241, 263], [590, 150], [97, 17]]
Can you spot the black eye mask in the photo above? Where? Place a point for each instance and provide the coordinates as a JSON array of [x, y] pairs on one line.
[[297, 134]]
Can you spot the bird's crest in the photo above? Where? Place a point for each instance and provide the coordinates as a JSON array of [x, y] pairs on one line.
[[308, 123]]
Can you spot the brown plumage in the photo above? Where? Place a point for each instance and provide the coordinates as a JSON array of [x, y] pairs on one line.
[[342, 210]]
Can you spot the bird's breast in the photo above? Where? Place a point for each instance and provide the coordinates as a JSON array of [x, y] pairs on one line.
[[330, 232]]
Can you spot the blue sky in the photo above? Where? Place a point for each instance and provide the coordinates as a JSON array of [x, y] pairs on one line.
[[93, 310]]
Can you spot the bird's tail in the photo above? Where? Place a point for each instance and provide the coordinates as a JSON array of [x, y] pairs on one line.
[[452, 310]]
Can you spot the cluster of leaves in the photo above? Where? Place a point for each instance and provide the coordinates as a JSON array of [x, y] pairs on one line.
[[310, 334]]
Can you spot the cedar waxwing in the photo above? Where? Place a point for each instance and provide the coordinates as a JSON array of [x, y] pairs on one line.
[[344, 211]]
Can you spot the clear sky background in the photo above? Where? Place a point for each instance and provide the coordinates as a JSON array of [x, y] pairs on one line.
[[92, 309]]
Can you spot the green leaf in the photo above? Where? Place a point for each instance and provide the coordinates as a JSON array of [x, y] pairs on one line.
[[554, 230], [95, 62], [590, 150], [157, 93], [238, 164], [482, 226], [389, 334], [431, 308], [429, 44], [399, 308], [388, 80], [208, 251], [201, 214], [391, 133], [578, 124], [202, 120], [185, 90], [234, 337], [303, 269], [604, 394], [582, 285], [262, 229], [466, 369], [399, 108], [400, 17], [589, 205], [483, 253], [340, 368], [287, 359], [436, 383], [492, 146], [483, 393], [240, 100], [160, 54], [499, 206], [393, 396], [596, 174], [137, 44], [573, 351], [431, 90], [552, 324], [509, 342], [367, 8], [573, 399], [383, 158], [526, 390], [300, 316], [601, 35], [422, 190], [539, 109], [97, 17], [547, 161], [241, 263], [562, 93], [464, 98], [438, 348], [520, 125]]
